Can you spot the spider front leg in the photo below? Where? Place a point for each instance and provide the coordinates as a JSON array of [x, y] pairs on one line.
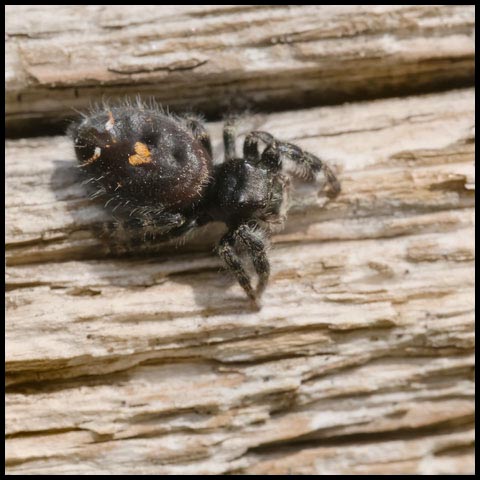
[[253, 239], [226, 251], [308, 164], [229, 135]]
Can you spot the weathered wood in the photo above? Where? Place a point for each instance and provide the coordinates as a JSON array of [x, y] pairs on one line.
[[218, 57], [360, 360]]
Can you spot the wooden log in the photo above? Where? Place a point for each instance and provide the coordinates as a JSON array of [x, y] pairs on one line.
[[360, 361], [216, 58]]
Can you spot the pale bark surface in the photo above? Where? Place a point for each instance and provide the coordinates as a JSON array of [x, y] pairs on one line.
[[361, 358], [217, 57]]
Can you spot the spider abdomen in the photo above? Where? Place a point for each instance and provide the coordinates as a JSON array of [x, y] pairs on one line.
[[159, 170], [143, 156]]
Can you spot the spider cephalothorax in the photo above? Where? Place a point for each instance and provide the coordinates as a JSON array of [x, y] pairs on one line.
[[159, 168]]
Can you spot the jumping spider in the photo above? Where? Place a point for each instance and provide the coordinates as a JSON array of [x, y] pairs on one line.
[[159, 168]]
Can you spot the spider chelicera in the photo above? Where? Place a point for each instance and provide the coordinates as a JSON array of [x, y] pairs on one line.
[[159, 169]]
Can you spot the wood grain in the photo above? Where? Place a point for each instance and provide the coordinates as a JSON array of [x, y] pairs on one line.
[[216, 58], [360, 361]]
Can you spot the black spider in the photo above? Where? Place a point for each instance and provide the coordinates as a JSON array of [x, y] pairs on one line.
[[159, 168]]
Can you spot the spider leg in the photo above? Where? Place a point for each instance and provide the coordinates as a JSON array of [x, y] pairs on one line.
[[229, 139], [226, 251], [126, 234], [254, 239], [308, 164], [200, 133], [250, 145], [311, 166]]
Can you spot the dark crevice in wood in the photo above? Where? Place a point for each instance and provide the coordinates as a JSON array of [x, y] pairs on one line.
[[51, 126], [290, 446]]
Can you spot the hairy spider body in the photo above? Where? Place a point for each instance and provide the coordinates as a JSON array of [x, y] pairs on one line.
[[159, 169]]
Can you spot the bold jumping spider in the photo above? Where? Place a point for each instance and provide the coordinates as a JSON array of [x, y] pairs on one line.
[[159, 168]]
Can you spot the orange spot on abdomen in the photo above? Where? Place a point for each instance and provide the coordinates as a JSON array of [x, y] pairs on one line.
[[142, 155]]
